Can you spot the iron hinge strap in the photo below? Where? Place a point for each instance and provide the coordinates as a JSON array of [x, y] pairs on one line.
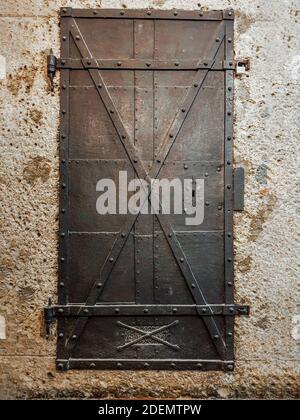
[[61, 311], [143, 64]]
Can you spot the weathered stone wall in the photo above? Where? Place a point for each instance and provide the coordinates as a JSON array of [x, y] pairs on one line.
[[267, 249]]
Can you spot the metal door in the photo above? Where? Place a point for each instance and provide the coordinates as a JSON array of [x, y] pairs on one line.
[[151, 93]]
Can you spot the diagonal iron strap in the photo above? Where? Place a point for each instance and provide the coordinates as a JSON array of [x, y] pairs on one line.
[[165, 148]]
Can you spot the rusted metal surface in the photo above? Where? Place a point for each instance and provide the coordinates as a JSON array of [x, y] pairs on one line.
[[131, 100]]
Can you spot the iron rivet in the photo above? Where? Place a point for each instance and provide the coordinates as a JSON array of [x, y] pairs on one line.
[[60, 366], [99, 285], [229, 113], [111, 111], [207, 203], [196, 85], [85, 311], [74, 336], [206, 174], [64, 10], [181, 259], [185, 166], [229, 259], [173, 365], [63, 185], [148, 64], [228, 187], [230, 88], [219, 169], [89, 62], [158, 161], [231, 64], [64, 87], [94, 12], [63, 62], [92, 365], [122, 12], [216, 336], [175, 13], [193, 285], [219, 207], [231, 310], [229, 13], [170, 235], [111, 259], [229, 284], [77, 37], [229, 235], [119, 63], [123, 235], [117, 310], [146, 365], [63, 161], [229, 367], [63, 210], [171, 136], [229, 40], [123, 137], [228, 138], [100, 86], [206, 64], [119, 365], [62, 259], [204, 310], [228, 162], [149, 13], [60, 310], [62, 284], [200, 14], [177, 63], [63, 111], [183, 110], [174, 310], [218, 40], [229, 334], [63, 136], [62, 234], [199, 365], [135, 160], [60, 335], [146, 311]]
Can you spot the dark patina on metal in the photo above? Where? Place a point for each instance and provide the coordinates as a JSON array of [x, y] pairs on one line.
[[149, 92]]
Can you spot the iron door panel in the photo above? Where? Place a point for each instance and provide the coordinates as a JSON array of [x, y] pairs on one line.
[[147, 92]]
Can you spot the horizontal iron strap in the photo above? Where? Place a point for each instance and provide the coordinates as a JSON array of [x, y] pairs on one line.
[[141, 64], [149, 310], [147, 14], [135, 364]]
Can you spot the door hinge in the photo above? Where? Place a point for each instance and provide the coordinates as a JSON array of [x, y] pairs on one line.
[[51, 67], [49, 316]]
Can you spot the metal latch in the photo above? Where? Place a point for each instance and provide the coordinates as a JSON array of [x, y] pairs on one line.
[[51, 67], [239, 188], [242, 66]]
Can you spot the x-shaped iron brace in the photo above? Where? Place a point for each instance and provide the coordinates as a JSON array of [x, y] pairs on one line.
[[148, 334]]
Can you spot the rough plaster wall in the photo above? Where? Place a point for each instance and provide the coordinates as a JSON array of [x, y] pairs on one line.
[[266, 143]]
